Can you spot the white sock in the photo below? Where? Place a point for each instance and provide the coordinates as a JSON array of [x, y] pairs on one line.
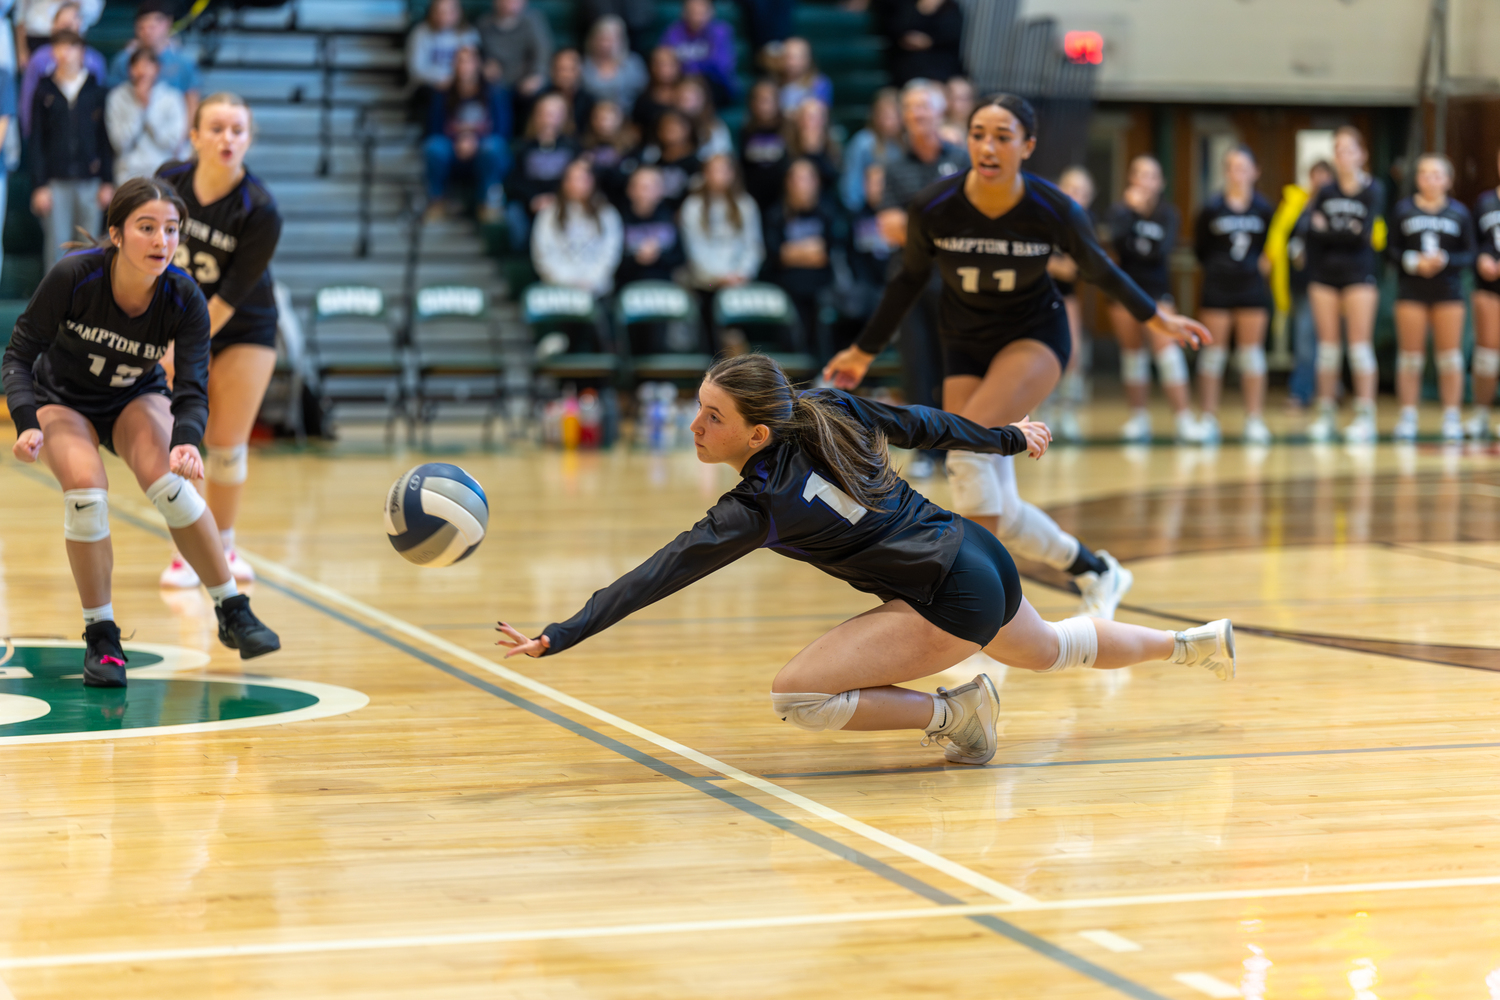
[[103, 613], [223, 591], [1450, 413], [226, 535], [941, 715]]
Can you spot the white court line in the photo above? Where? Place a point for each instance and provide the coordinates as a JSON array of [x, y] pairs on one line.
[[5, 993], [1110, 940], [1210, 985]]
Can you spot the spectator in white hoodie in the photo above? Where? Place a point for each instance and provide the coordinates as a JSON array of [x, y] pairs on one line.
[[147, 119], [721, 229], [577, 240]]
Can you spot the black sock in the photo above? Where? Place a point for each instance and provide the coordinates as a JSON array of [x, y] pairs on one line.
[[1086, 562]]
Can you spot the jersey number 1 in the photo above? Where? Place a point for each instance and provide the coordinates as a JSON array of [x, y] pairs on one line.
[[969, 276], [124, 374], [842, 503]]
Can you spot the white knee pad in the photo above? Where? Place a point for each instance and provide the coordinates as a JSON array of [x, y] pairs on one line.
[[178, 502], [1171, 366], [86, 515], [1135, 366], [1025, 529], [1410, 362], [1450, 361], [814, 711], [1251, 360], [228, 466], [1362, 359], [1486, 362], [1330, 357], [1212, 360], [1077, 644], [976, 491]]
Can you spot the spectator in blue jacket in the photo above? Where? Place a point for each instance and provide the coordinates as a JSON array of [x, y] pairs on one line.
[[705, 47], [153, 30], [877, 144], [468, 130]]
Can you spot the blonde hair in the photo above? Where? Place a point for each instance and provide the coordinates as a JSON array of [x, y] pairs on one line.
[[225, 98]]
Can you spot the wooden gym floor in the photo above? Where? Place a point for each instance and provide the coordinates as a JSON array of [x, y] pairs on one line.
[[388, 810]]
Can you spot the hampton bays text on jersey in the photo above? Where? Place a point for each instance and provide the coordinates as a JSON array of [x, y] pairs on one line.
[[99, 335], [981, 244]]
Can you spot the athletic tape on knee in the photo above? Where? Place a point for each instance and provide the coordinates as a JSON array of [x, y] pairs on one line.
[[1410, 362], [1077, 644], [1486, 362], [1450, 361], [228, 466], [1135, 366], [86, 515], [178, 502], [1251, 360], [1212, 360], [814, 711], [1026, 530], [971, 477], [1362, 359], [1171, 365], [1330, 357]]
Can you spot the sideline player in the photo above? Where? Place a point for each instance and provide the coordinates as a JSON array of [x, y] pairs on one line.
[[1345, 231], [1432, 242], [81, 372], [1076, 183], [1004, 333], [818, 486], [1486, 301], [1230, 240], [231, 232]]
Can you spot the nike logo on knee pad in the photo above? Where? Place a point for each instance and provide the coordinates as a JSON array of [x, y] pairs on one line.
[[80, 506], [174, 496]]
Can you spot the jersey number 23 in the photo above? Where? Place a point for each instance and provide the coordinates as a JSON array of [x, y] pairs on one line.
[[204, 268]]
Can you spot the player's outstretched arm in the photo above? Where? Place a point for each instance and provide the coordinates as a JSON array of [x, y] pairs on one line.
[[517, 644], [1185, 331]]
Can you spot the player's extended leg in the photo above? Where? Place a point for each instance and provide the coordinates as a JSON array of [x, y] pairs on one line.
[[1360, 303], [1135, 373], [1213, 359], [237, 381], [1020, 376], [71, 450], [1411, 357], [1447, 346], [1486, 361], [1326, 309], [142, 438], [1250, 356]]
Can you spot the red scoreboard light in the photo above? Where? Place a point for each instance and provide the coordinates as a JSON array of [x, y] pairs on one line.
[[1084, 47]]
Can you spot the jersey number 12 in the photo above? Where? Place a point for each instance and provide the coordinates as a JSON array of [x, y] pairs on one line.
[[969, 276], [124, 374]]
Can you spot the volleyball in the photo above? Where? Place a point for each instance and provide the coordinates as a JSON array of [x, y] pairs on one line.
[[436, 515]]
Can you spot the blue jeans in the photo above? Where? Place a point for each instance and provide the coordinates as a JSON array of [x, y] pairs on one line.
[[1303, 384], [487, 166]]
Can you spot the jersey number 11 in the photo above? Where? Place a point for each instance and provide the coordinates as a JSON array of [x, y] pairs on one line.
[[970, 277]]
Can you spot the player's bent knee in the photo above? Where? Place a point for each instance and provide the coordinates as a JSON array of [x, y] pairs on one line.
[[1171, 365], [975, 485], [227, 466], [86, 515], [1486, 362], [1077, 644], [1212, 361], [1450, 361], [1410, 362], [1252, 360], [179, 503], [1330, 357], [815, 711], [1362, 359]]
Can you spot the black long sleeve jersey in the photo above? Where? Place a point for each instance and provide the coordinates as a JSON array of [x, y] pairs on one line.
[[1341, 234], [74, 345], [1229, 243], [789, 505], [227, 247], [1487, 225], [994, 271], [1415, 232], [1144, 244]]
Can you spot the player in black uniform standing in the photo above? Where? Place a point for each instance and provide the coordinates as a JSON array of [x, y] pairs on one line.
[[1345, 232], [81, 371], [1432, 242], [1143, 230], [990, 231], [1486, 299], [229, 237], [1230, 242], [1076, 183], [817, 486]]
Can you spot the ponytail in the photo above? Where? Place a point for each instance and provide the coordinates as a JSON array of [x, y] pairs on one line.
[[854, 456]]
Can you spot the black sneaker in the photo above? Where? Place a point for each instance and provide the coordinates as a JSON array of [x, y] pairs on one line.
[[240, 629], [103, 660]]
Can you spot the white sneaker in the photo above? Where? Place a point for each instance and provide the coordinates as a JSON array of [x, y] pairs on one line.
[[179, 575], [1208, 646], [1453, 427], [1406, 425], [238, 568], [1103, 592], [1477, 427], [1209, 431], [1256, 431], [1189, 431], [1320, 431], [969, 736], [1137, 430], [1068, 427], [1361, 429]]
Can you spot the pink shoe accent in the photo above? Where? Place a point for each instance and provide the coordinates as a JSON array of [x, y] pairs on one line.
[[112, 661]]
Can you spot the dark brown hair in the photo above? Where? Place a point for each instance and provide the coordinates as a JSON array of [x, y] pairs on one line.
[[1019, 107], [854, 456], [731, 197], [1353, 133], [127, 198], [589, 208]]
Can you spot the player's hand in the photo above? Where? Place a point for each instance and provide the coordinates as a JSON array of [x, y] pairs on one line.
[[41, 201], [1038, 436], [186, 462], [28, 444], [517, 644], [1187, 332], [848, 367], [106, 194], [1488, 267]]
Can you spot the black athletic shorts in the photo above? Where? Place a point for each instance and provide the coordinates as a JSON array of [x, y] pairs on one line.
[[981, 593], [1429, 291], [259, 336], [1480, 285], [1239, 291], [973, 357], [1340, 275], [104, 419]]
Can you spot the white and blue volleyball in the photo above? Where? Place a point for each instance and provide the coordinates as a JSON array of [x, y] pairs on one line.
[[436, 514]]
